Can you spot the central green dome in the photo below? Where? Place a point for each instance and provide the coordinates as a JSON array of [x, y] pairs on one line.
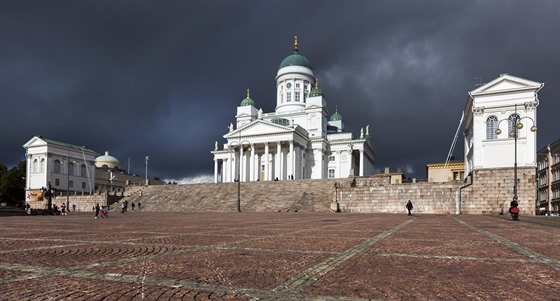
[[295, 59]]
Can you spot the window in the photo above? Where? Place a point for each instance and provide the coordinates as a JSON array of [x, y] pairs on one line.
[[42, 165], [35, 165], [57, 166], [512, 121], [83, 185], [491, 127], [289, 97], [297, 85], [297, 96], [83, 171], [331, 173], [331, 158], [56, 182], [70, 168], [71, 183]]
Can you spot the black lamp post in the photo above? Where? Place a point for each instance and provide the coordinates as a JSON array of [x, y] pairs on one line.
[[238, 202], [516, 125]]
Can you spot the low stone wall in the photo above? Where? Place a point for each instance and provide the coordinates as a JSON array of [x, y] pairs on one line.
[[380, 196], [83, 202], [492, 191], [489, 193]]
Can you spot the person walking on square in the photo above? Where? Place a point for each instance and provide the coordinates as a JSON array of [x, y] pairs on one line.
[[97, 208], [139, 206], [132, 205], [409, 207], [63, 209], [123, 208]]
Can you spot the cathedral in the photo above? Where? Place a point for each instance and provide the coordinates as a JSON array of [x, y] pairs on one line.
[[296, 141]]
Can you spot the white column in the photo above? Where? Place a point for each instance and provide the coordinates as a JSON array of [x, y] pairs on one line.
[[277, 173], [215, 170], [229, 172], [338, 171], [302, 163], [252, 163], [242, 165], [266, 163], [291, 159], [361, 163]]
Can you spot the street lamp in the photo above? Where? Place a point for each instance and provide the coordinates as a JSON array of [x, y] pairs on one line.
[[147, 158], [240, 144], [515, 124], [69, 163]]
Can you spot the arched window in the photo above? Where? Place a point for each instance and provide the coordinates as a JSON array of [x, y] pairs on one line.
[[83, 171], [34, 166], [512, 122], [42, 165], [57, 166], [491, 127], [71, 168]]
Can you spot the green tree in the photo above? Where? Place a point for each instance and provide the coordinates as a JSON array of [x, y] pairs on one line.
[[12, 183]]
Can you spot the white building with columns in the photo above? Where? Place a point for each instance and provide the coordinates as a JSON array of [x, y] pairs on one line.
[[296, 141], [493, 106]]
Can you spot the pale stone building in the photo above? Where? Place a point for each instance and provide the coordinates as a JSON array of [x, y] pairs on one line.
[[66, 167], [549, 177], [296, 141], [453, 171], [500, 144]]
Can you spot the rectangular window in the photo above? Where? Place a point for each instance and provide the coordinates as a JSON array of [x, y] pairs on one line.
[[71, 184], [331, 158], [331, 173], [298, 97], [56, 182], [297, 85], [83, 185], [289, 97]]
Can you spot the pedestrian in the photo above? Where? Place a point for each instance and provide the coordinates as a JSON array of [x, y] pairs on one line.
[[104, 213], [123, 208], [97, 208], [74, 207], [132, 205], [409, 207], [63, 209], [139, 206]]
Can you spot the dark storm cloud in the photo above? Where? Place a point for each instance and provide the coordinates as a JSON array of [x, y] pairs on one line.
[[164, 78]]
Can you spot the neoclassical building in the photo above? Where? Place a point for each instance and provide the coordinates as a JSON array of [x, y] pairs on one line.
[[296, 141], [500, 144]]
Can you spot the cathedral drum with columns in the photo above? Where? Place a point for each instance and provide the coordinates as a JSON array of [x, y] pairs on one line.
[[297, 140]]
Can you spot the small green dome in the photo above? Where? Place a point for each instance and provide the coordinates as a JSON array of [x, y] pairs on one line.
[[336, 116], [247, 101], [315, 91], [295, 59]]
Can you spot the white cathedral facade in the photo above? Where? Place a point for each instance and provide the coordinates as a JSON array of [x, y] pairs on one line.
[[296, 141]]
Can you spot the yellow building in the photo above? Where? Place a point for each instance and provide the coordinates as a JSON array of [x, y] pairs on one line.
[[442, 172]]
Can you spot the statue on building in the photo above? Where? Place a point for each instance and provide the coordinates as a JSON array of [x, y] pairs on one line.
[[230, 127], [215, 145], [260, 113]]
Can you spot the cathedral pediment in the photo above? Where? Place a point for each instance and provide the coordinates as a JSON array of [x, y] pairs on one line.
[[259, 127], [506, 83]]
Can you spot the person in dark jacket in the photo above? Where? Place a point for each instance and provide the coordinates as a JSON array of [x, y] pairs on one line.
[[409, 207]]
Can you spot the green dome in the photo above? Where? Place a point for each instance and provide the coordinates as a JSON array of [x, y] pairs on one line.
[[315, 91], [336, 116], [295, 59], [247, 101]]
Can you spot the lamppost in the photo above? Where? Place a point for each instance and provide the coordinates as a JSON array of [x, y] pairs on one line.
[[515, 125], [240, 144], [147, 158], [68, 179]]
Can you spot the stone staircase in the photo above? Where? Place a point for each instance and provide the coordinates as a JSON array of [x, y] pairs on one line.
[[280, 196]]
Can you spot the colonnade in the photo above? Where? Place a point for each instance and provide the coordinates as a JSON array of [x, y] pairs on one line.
[[265, 161]]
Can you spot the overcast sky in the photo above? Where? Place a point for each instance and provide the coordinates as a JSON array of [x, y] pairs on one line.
[[164, 78]]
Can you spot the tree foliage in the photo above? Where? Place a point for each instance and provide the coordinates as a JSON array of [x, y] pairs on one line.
[[12, 183]]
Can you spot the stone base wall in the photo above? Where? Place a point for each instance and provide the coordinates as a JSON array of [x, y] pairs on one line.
[[377, 195], [489, 193], [83, 202], [492, 191]]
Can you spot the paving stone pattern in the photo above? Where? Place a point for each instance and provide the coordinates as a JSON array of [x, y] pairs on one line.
[[278, 256]]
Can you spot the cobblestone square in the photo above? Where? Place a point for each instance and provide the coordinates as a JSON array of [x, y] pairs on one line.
[[278, 256]]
